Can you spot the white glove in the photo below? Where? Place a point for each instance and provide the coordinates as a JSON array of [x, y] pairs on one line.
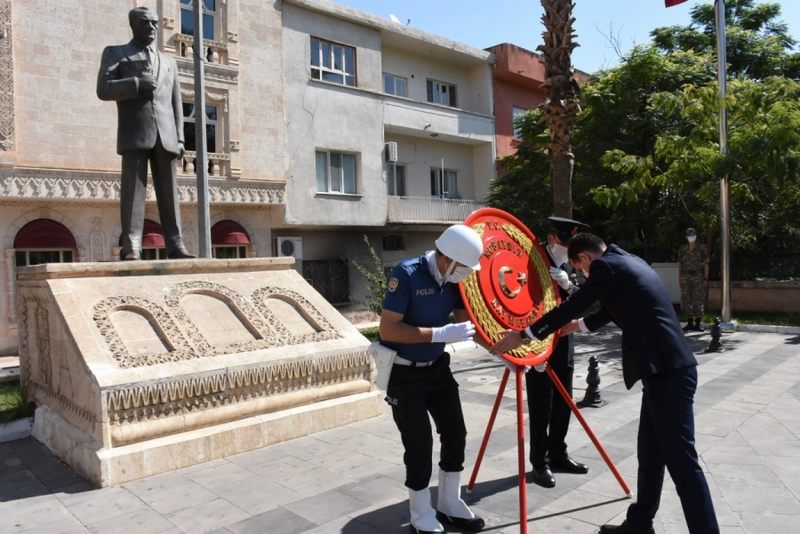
[[540, 368], [561, 277], [512, 367], [452, 333]]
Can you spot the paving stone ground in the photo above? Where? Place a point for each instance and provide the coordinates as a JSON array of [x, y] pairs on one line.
[[350, 479]]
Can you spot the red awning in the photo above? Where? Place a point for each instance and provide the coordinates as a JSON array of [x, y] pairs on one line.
[[229, 233], [152, 235], [44, 234]]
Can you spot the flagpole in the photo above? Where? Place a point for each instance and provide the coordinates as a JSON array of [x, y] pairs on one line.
[[724, 205], [201, 160]]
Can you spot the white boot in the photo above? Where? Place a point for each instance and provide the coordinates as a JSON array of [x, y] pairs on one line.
[[423, 516], [450, 506]]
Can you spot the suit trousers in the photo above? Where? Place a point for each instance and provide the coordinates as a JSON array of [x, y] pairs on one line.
[[133, 192], [666, 439], [415, 392], [548, 414]]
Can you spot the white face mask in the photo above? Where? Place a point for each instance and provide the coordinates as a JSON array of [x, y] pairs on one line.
[[559, 254], [457, 273], [691, 238]]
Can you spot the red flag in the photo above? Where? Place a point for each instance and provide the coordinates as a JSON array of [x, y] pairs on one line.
[[670, 3]]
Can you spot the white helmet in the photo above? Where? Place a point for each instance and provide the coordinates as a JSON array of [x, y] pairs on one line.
[[463, 244]]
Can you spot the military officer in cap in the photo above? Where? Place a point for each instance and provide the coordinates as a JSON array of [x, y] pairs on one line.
[[549, 415], [693, 279]]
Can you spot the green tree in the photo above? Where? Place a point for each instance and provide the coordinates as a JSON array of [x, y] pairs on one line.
[[757, 44], [646, 147]]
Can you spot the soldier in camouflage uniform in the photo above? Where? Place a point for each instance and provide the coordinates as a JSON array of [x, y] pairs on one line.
[[693, 278]]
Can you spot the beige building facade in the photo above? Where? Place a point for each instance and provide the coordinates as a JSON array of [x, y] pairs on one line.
[[325, 124]]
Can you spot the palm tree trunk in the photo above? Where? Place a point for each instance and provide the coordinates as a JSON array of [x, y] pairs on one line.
[[561, 106]]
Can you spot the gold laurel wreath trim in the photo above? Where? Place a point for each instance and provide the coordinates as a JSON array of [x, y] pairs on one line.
[[493, 329]]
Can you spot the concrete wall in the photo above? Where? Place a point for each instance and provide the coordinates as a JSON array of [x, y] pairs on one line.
[[421, 155], [322, 115], [473, 84]]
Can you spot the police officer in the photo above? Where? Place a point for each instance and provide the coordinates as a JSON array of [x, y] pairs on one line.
[[693, 279], [415, 321], [549, 414]]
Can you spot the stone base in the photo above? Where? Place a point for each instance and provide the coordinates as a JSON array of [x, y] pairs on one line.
[[109, 467], [138, 368]]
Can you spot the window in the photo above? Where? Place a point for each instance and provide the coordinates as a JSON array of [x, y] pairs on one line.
[[333, 62], [330, 278], [441, 93], [43, 241], [394, 85], [209, 14], [444, 184], [393, 242], [397, 180], [516, 113], [229, 240], [336, 172], [211, 127]]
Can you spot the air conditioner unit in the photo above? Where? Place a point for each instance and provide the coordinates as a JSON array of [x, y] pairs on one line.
[[289, 246], [391, 152]]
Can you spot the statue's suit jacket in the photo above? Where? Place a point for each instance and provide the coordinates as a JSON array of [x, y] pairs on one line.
[[142, 117], [632, 295]]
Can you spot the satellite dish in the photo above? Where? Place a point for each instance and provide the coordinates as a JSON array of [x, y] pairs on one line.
[[394, 19]]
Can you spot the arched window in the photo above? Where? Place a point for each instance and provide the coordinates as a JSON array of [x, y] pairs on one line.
[[229, 240], [44, 241], [153, 247]]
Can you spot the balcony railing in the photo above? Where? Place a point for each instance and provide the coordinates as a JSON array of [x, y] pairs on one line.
[[214, 51], [430, 209], [218, 164]]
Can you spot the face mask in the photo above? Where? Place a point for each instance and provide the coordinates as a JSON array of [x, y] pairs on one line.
[[559, 254], [457, 274], [691, 238]]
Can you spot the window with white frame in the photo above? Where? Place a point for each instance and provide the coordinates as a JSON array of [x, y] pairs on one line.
[[397, 180], [190, 142], [441, 93], [395, 85], [444, 183], [209, 18], [336, 172], [333, 62], [516, 113]]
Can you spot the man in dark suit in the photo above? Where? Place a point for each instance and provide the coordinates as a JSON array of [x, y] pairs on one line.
[[654, 350], [144, 83], [548, 414]]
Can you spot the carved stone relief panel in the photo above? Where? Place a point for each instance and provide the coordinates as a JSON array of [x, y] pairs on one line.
[[6, 78], [97, 241], [200, 319], [162, 325]]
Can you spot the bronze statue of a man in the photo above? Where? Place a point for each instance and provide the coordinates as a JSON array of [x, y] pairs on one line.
[[144, 83]]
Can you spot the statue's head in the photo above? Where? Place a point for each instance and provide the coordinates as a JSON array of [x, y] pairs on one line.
[[144, 25]]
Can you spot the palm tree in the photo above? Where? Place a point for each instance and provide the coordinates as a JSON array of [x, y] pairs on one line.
[[561, 106]]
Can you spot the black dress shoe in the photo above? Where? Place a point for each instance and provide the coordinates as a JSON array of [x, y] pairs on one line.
[[131, 255], [475, 524], [180, 254], [543, 477], [568, 465], [625, 528]]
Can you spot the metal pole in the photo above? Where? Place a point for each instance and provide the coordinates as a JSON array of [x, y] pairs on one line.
[[724, 206], [201, 161]]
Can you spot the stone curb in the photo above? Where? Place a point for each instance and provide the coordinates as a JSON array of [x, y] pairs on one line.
[[768, 329], [17, 429]]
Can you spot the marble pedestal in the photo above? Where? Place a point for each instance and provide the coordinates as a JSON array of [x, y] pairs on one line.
[[143, 367]]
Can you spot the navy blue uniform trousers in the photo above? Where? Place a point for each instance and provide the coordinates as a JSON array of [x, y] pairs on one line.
[[548, 413], [413, 393], [666, 439]]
